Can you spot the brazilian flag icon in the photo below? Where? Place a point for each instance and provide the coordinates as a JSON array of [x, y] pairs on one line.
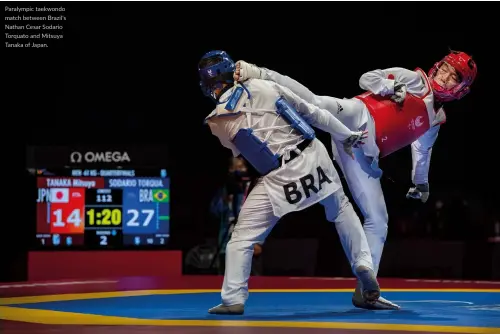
[[161, 195]]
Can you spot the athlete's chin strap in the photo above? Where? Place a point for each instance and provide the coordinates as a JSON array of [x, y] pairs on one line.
[[223, 90]]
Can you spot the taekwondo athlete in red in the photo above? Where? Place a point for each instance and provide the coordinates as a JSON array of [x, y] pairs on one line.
[[400, 108], [265, 123]]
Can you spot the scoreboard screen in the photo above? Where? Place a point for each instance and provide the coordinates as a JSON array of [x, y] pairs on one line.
[[102, 208]]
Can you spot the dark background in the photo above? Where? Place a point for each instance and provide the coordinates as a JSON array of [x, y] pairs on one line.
[[125, 74]]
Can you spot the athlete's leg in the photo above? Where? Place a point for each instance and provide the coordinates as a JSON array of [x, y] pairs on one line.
[[255, 222], [340, 211], [364, 183]]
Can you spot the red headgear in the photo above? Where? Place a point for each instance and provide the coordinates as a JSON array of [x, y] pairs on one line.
[[467, 70]]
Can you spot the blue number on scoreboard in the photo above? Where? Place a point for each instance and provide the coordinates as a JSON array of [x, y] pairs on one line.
[[140, 211]]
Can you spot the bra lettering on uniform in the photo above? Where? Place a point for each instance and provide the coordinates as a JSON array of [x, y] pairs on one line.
[[307, 183]]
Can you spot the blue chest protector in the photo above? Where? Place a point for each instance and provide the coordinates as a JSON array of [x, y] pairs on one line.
[[257, 152]]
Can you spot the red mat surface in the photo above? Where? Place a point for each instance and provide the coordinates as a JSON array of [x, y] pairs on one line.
[[10, 327], [215, 282]]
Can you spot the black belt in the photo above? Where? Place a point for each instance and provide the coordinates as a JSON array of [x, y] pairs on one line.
[[302, 146]]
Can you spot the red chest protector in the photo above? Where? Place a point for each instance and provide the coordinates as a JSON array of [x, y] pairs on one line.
[[396, 126]]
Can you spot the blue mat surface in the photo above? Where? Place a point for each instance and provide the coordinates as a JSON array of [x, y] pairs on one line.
[[477, 309]]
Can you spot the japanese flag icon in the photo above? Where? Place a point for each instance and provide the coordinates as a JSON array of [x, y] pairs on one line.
[[59, 195]]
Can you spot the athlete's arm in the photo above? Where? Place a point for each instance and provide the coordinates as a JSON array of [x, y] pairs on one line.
[[421, 150], [382, 82]]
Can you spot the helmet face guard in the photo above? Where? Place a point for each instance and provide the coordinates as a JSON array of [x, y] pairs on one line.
[[465, 67], [215, 68]]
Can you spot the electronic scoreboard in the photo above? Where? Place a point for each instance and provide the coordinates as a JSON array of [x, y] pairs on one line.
[[102, 208]]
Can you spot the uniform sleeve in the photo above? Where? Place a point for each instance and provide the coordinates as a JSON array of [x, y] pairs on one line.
[[381, 82], [421, 150], [223, 136], [314, 115], [322, 101]]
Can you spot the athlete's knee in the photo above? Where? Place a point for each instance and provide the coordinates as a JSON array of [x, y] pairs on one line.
[[239, 245], [377, 219], [336, 204]]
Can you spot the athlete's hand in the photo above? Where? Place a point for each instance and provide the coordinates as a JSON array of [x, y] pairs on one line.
[[245, 71], [420, 191], [355, 140], [399, 92]]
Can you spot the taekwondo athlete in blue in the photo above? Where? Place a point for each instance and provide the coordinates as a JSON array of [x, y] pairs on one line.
[[270, 126]]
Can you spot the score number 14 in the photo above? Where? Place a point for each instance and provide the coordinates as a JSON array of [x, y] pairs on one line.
[[66, 220], [133, 222], [73, 218]]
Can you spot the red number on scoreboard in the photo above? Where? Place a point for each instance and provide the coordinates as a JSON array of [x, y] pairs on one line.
[[67, 207]]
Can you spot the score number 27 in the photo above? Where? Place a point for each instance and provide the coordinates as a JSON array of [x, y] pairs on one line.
[[135, 215]]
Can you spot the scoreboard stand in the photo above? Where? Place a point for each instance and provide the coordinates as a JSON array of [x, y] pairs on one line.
[[78, 265], [97, 222]]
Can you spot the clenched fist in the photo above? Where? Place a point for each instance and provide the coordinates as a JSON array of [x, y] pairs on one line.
[[245, 71], [420, 191], [399, 92]]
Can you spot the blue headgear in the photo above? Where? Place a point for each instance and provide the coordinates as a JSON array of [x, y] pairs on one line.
[[215, 75]]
